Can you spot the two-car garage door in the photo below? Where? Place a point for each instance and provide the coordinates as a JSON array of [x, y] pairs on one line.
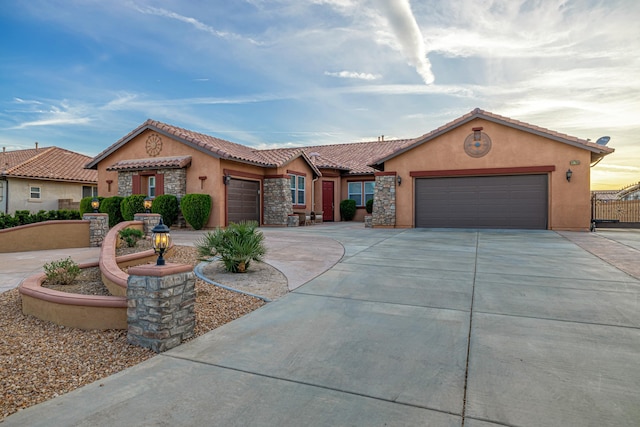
[[514, 201]]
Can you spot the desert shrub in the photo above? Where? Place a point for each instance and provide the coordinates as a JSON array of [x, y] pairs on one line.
[[61, 272], [131, 236], [196, 209], [369, 206], [111, 206], [237, 245], [347, 209], [167, 206], [131, 205]]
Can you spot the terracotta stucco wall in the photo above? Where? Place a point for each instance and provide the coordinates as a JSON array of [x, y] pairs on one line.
[[50, 191], [569, 202], [45, 236]]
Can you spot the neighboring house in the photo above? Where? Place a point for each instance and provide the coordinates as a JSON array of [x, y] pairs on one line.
[[48, 178], [631, 192], [481, 170]]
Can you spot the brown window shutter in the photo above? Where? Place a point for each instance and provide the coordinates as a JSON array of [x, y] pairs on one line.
[[135, 188], [159, 184]]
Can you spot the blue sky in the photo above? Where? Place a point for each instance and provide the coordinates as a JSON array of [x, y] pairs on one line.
[[82, 74]]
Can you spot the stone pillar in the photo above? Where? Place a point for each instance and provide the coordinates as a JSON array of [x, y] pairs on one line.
[[150, 220], [98, 227], [384, 205], [277, 201], [293, 220], [160, 305]]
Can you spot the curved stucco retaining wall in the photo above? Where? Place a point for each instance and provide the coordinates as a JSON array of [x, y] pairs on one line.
[[59, 234], [88, 311]]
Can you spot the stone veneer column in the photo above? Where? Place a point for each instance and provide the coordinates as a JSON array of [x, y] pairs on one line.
[[160, 305], [277, 201], [98, 227], [384, 201], [150, 220]]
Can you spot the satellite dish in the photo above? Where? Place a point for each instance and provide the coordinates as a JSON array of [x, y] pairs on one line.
[[603, 140]]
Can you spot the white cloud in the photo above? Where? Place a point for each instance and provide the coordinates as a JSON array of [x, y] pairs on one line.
[[353, 75], [405, 28]]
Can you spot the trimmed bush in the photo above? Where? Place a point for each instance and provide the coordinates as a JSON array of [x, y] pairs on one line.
[[85, 205], [347, 209], [132, 205], [111, 206], [237, 245], [196, 209], [369, 206], [61, 272], [167, 206]]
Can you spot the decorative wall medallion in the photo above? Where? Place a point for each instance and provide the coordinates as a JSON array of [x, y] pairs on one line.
[[477, 144], [154, 145]]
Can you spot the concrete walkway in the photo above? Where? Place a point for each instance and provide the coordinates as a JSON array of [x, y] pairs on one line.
[[411, 327]]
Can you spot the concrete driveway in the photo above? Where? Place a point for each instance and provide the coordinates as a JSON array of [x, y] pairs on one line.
[[411, 327]]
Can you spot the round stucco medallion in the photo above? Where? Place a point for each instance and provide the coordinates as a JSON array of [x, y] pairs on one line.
[[154, 145], [477, 144]]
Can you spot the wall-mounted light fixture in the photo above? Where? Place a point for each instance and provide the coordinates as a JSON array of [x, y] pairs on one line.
[[95, 204], [569, 174], [161, 240], [148, 201], [399, 180], [226, 179]]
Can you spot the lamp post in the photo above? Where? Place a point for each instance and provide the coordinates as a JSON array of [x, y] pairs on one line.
[[161, 240], [95, 204], [148, 201]]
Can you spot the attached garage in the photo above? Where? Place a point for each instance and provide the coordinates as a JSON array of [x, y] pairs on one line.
[[512, 201], [243, 200]]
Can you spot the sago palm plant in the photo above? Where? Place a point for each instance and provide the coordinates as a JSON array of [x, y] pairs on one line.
[[237, 245]]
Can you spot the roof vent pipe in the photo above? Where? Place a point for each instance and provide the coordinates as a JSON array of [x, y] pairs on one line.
[[36, 145]]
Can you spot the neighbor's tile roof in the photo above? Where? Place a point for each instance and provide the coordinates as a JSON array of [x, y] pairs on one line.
[[153, 162], [50, 163]]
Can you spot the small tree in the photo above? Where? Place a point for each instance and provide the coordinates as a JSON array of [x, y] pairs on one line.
[[348, 209], [237, 245], [132, 205], [167, 206], [196, 209]]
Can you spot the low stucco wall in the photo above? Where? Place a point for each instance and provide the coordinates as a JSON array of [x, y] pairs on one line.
[[45, 235], [72, 310]]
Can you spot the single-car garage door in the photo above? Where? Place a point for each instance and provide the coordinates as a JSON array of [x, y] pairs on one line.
[[514, 201], [243, 201]]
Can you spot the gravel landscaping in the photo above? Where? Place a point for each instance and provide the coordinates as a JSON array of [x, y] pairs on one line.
[[40, 360]]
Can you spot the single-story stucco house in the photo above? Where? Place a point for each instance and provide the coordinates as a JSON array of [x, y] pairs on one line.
[[480, 170], [44, 178]]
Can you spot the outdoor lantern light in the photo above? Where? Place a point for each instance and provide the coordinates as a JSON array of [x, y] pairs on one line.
[[161, 240], [399, 179], [569, 174], [226, 179], [95, 204], [148, 201]]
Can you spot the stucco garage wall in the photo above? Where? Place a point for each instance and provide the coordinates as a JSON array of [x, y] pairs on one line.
[[569, 202]]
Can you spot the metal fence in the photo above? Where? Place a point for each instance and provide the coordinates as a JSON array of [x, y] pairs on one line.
[[618, 210]]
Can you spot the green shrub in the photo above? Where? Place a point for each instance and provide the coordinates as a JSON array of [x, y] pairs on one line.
[[61, 272], [132, 205], [85, 205], [347, 209], [369, 206], [196, 209], [131, 236], [7, 221], [237, 245], [111, 206], [24, 217], [167, 206]]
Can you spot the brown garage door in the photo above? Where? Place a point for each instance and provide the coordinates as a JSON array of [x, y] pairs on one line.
[[515, 201], [243, 200]]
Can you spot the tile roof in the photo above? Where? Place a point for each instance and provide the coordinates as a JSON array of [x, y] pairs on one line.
[[50, 163], [598, 151], [153, 162]]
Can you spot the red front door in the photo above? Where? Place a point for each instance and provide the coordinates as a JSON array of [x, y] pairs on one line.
[[327, 200]]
